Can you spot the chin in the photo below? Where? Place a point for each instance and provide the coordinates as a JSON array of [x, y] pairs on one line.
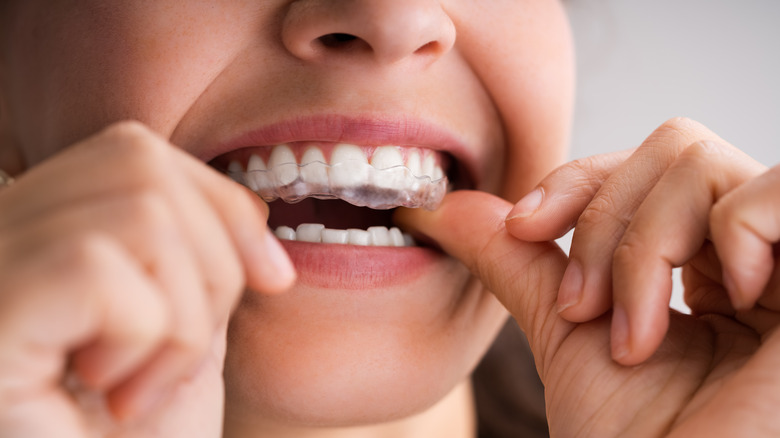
[[335, 357]]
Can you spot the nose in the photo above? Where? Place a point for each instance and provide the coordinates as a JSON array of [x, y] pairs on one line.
[[378, 31]]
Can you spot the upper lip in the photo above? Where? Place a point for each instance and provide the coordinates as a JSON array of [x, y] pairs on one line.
[[371, 130]]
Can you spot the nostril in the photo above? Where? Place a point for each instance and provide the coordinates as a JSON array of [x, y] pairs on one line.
[[431, 48], [337, 40]]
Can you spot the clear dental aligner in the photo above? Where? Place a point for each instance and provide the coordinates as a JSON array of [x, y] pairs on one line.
[[388, 181]]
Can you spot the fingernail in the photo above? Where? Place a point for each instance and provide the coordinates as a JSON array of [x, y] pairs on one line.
[[570, 292], [282, 269], [620, 333], [528, 205]]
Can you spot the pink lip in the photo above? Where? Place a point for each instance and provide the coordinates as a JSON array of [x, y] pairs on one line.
[[363, 130], [349, 267]]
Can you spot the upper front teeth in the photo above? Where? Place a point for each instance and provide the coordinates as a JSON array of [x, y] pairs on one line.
[[388, 180]]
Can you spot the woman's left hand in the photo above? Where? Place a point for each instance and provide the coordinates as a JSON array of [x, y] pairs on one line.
[[684, 198]]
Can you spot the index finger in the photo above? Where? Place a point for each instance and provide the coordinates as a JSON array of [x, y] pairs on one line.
[[268, 268], [524, 276]]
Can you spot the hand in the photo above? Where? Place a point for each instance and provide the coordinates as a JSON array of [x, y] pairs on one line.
[[121, 259], [638, 215]]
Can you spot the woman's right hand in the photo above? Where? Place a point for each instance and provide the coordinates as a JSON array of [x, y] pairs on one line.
[[121, 259], [684, 198]]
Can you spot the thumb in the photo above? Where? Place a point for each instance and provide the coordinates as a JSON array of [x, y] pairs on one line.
[[525, 276]]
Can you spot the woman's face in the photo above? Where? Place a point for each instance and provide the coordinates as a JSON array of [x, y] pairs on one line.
[[369, 333]]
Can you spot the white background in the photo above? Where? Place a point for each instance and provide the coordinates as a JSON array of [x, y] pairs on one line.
[[641, 62]]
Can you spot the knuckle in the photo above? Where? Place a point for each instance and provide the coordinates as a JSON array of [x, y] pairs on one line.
[[679, 124], [704, 148], [147, 208], [603, 210], [156, 323], [710, 153], [586, 172], [674, 135], [191, 339], [699, 155], [89, 250], [127, 129], [141, 153], [586, 177], [630, 249], [720, 215]]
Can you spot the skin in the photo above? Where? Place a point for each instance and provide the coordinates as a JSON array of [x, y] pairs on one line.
[[712, 373], [194, 74], [129, 282]]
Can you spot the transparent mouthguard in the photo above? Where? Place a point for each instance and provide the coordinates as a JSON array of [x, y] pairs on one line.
[[356, 182]]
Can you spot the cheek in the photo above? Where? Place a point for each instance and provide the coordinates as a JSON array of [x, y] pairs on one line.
[[309, 358], [523, 52], [69, 74]]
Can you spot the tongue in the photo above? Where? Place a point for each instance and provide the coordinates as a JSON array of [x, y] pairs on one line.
[[331, 213]]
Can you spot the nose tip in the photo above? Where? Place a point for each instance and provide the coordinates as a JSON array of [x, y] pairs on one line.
[[382, 31]]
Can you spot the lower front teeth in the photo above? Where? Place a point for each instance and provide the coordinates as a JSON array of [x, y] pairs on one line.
[[374, 236]]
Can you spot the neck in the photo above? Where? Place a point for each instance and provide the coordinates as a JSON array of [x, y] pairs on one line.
[[453, 416]]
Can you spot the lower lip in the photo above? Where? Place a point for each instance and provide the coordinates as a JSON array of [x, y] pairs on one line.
[[351, 267]]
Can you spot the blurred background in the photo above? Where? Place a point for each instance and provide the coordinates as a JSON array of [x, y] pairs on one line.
[[642, 62]]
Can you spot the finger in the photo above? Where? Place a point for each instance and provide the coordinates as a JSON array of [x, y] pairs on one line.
[[666, 231], [523, 275], [194, 314], [551, 210], [145, 226], [743, 403], [703, 285], [118, 158], [92, 300], [267, 266], [148, 163], [745, 227], [586, 290], [151, 228]]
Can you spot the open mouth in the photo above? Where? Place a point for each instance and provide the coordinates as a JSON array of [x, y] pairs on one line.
[[343, 193]]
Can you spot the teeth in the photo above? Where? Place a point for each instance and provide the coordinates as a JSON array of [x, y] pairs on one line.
[[285, 233], [283, 164], [438, 173], [428, 166], [236, 171], [393, 174], [335, 236], [314, 167], [358, 237], [309, 233], [255, 163], [414, 163], [255, 175], [386, 157], [396, 238], [352, 162], [374, 236], [394, 177], [380, 236]]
